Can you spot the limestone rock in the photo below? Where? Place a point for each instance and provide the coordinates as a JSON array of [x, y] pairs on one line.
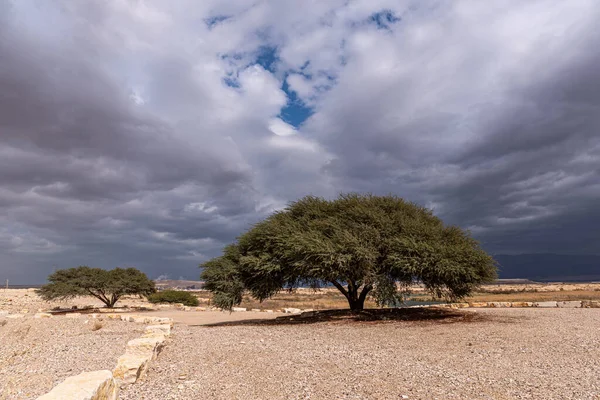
[[133, 365], [292, 310], [96, 385], [569, 304], [499, 304], [478, 305], [163, 329], [590, 304], [42, 315], [546, 304], [238, 309]]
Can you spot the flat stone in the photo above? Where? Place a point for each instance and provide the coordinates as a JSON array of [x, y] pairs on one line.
[[590, 304], [546, 304], [256, 309], [478, 305], [569, 304], [269, 311], [163, 329], [238, 309], [521, 304], [499, 304], [130, 368], [292, 310], [95, 385], [3, 313], [133, 365], [200, 308], [42, 315]]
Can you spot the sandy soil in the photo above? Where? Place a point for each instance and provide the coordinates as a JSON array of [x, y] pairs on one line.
[[508, 354], [37, 354]]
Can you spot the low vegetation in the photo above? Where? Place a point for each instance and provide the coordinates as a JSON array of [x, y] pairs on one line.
[[174, 296]]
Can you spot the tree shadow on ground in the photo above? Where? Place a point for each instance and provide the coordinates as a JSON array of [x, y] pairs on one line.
[[368, 316]]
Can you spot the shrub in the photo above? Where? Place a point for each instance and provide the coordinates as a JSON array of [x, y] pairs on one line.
[[174, 296]]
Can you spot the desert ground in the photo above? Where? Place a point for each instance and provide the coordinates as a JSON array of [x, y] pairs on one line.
[[503, 353]]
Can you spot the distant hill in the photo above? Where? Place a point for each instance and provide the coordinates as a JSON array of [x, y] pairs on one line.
[[178, 284], [549, 267]]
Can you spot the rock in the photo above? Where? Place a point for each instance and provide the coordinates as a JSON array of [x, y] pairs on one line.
[[163, 329], [478, 305], [308, 314], [292, 310], [256, 309], [96, 385], [187, 308], [590, 304], [269, 311], [73, 315], [238, 309], [520, 304], [134, 363], [546, 304], [42, 315], [200, 308], [499, 304], [569, 304], [461, 305], [3, 313]]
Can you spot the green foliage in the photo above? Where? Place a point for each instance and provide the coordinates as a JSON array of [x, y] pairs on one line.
[[361, 244], [107, 286], [174, 296]]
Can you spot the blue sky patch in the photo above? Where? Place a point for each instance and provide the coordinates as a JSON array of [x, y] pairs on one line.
[[295, 112], [384, 19], [213, 21]]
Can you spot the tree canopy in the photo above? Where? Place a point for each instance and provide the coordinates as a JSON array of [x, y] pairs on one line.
[[361, 244], [107, 286]]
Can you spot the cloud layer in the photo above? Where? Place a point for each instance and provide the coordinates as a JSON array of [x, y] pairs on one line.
[[150, 134]]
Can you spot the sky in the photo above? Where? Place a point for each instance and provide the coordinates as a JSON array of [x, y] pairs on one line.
[[152, 133]]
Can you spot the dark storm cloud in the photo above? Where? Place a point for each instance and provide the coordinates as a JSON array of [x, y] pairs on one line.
[[122, 144]]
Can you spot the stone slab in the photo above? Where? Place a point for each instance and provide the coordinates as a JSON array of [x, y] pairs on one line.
[[546, 304], [95, 385], [569, 304]]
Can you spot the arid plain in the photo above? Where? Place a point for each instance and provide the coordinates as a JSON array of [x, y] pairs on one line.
[[482, 353]]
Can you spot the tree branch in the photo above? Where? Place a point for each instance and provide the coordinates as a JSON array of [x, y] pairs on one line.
[[364, 293], [340, 288]]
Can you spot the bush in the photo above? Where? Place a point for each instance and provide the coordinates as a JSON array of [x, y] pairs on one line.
[[174, 296]]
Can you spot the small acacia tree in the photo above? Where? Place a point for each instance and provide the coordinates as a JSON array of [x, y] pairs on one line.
[[107, 286], [361, 244]]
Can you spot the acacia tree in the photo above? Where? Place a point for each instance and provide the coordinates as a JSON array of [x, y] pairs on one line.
[[107, 286], [361, 244]]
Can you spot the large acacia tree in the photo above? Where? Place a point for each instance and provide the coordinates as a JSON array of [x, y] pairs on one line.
[[107, 286], [361, 244]]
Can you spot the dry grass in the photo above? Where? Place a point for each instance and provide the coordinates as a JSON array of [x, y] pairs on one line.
[[330, 299]]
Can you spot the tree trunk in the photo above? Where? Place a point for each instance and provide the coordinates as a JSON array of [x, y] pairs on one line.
[[356, 301]]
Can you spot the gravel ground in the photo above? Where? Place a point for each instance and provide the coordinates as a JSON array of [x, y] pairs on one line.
[[507, 354], [37, 354]]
